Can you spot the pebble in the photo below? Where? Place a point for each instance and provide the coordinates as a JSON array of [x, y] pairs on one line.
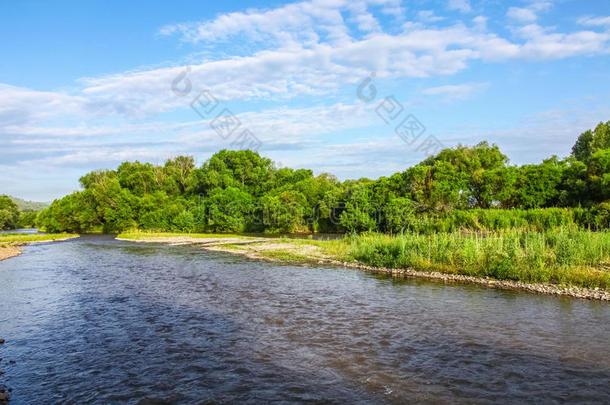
[[1, 341], [512, 285]]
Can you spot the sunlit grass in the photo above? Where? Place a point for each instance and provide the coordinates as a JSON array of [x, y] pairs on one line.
[[13, 237], [566, 257], [233, 246], [286, 256], [337, 248]]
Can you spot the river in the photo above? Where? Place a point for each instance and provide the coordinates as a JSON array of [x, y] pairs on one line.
[[95, 320]]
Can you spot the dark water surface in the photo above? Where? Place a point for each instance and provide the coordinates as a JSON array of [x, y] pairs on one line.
[[96, 320]]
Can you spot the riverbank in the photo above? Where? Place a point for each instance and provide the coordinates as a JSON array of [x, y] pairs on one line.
[[8, 250], [581, 279], [10, 243]]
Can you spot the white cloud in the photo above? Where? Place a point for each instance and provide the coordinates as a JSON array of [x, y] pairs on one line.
[[303, 24], [18, 104], [314, 54], [456, 91], [429, 16], [480, 22], [381, 157], [276, 127], [543, 44], [461, 5], [540, 135], [323, 68], [521, 14], [308, 48], [530, 13], [594, 21], [315, 69]]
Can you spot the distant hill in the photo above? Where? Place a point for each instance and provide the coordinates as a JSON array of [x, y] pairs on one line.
[[29, 205]]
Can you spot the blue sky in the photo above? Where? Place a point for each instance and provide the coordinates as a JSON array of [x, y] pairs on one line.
[[86, 85]]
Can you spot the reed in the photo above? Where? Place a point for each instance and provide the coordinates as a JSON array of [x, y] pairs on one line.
[[566, 256]]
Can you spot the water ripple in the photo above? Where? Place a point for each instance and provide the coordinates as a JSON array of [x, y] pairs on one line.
[[96, 320]]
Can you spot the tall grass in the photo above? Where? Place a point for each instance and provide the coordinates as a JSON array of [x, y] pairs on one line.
[[540, 219], [565, 256], [537, 219]]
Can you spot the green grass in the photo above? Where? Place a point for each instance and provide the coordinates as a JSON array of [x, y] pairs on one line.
[[337, 249], [233, 246], [140, 235], [13, 237], [286, 256], [564, 257]]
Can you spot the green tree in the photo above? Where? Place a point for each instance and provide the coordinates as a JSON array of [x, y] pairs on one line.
[[599, 174], [590, 142], [284, 212], [537, 185], [27, 219], [360, 213], [494, 187], [136, 177], [242, 169], [601, 137], [9, 213], [575, 189], [176, 174], [582, 148], [228, 209], [399, 214]]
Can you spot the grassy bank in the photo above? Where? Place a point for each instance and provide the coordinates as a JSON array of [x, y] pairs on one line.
[[8, 250], [9, 242], [22, 237], [565, 257]]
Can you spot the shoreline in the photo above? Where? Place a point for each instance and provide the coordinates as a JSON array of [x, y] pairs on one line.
[[283, 251], [9, 250], [12, 249]]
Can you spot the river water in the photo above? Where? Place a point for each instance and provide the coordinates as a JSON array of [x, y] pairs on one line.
[[95, 320]]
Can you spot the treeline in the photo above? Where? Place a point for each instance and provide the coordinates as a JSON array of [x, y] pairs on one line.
[[241, 191], [12, 216]]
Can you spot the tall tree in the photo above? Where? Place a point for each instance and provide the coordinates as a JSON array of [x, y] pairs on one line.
[[9, 213]]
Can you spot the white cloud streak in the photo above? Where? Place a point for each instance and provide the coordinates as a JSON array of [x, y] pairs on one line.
[[455, 92], [530, 13], [460, 5], [595, 21]]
